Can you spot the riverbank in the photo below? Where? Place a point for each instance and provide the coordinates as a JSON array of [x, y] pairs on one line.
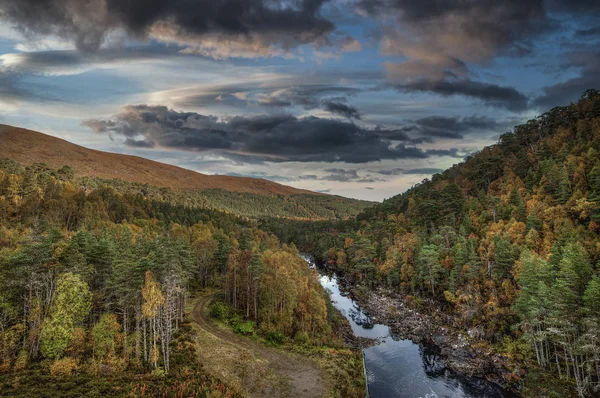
[[460, 352]]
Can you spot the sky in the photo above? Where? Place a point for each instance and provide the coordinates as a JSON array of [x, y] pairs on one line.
[[360, 98]]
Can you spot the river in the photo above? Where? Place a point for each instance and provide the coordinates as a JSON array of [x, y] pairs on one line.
[[401, 368]]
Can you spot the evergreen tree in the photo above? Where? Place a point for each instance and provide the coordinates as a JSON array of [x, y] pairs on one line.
[[505, 257], [429, 267]]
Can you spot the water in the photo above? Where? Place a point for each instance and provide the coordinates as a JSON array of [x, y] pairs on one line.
[[401, 368]]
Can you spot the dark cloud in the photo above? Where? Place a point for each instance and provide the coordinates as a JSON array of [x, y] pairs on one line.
[[138, 143], [339, 108], [588, 33], [398, 171], [571, 89], [424, 170], [389, 172], [441, 40], [453, 127], [437, 32], [249, 25], [340, 175], [490, 94], [309, 177], [276, 138], [582, 7]]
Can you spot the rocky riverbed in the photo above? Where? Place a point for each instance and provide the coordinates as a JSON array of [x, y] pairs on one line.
[[462, 351]]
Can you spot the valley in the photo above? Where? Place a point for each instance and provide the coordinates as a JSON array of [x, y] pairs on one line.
[[482, 281]]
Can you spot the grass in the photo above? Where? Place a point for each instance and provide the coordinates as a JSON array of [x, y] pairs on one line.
[[341, 367]]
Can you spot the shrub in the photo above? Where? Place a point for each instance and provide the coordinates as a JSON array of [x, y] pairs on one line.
[[246, 327], [220, 310], [275, 338], [63, 367], [76, 347], [22, 360], [302, 338]]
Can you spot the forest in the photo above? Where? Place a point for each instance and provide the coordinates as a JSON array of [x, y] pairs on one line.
[[97, 275], [506, 243], [243, 204], [96, 278]]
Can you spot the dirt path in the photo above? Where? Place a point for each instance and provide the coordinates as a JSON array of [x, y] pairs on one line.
[[295, 376]]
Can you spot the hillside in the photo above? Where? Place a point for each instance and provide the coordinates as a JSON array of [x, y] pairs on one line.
[[117, 277], [506, 245], [247, 197], [28, 147]]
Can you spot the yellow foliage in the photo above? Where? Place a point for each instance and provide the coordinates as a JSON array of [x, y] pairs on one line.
[[450, 297], [63, 367], [22, 360], [153, 296], [77, 345]]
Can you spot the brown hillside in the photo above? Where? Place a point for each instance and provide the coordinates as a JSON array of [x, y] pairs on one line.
[[28, 147]]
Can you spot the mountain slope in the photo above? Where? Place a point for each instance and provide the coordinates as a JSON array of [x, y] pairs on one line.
[[502, 252], [247, 197], [28, 147]]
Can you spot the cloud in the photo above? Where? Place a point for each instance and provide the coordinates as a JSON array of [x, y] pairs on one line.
[[218, 28], [439, 40], [571, 89], [489, 94], [70, 62], [399, 171], [422, 171], [437, 32], [308, 96], [10, 91], [339, 175], [274, 138], [453, 127], [588, 33], [389, 172], [339, 108]]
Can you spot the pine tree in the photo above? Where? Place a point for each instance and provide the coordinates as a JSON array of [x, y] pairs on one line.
[[430, 267], [505, 257], [473, 261], [594, 183], [520, 211], [564, 186]]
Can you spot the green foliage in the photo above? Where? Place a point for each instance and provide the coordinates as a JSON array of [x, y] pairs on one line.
[[99, 271], [221, 311], [104, 335], [240, 326], [71, 305], [275, 338]]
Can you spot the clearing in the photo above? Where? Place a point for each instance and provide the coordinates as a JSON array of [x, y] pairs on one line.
[[254, 369]]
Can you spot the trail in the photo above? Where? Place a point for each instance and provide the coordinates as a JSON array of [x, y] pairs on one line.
[[300, 376]]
